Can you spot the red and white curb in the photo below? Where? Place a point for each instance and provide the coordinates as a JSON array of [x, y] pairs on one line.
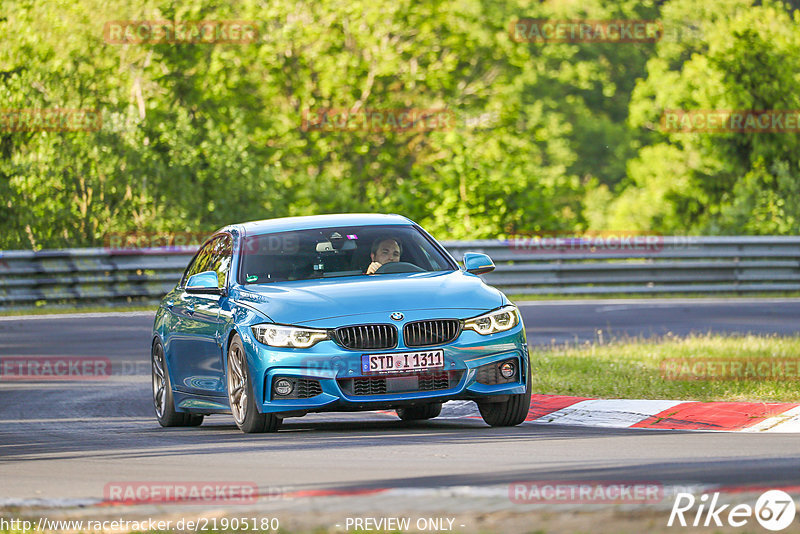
[[653, 414]]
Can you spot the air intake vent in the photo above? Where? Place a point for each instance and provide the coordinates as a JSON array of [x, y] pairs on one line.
[[369, 386], [405, 383], [367, 336], [433, 332], [307, 388], [434, 381]]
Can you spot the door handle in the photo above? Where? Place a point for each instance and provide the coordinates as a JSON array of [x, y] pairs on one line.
[[169, 304], [190, 309]]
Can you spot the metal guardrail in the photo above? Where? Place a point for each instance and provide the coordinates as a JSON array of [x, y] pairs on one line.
[[675, 264], [67, 276], [572, 266]]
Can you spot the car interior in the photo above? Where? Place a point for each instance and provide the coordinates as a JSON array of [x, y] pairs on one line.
[[327, 254]]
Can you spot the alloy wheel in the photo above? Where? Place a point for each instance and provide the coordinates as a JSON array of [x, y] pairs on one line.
[[237, 384], [159, 380]]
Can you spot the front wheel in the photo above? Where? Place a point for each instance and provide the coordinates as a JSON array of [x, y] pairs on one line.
[[163, 400], [240, 394], [509, 413]]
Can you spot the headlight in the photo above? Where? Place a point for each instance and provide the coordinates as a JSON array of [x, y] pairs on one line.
[[495, 321], [276, 335]]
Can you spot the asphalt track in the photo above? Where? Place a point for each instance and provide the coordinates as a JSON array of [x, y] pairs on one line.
[[65, 441], [126, 336]]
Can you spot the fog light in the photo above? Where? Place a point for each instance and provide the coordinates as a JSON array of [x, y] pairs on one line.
[[507, 370], [283, 387]]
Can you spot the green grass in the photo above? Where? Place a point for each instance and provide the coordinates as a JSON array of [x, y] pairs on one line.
[[631, 369]]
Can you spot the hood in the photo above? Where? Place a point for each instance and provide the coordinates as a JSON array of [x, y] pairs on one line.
[[304, 301]]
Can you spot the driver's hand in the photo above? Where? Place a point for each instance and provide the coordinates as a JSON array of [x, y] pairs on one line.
[[374, 266]]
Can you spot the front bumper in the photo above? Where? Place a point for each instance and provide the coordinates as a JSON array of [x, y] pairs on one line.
[[332, 379]]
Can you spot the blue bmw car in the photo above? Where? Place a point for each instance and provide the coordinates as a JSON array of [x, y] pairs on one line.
[[284, 317]]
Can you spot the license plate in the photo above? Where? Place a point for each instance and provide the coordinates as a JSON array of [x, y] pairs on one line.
[[402, 362]]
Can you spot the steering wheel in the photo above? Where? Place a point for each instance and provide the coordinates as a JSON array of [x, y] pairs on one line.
[[399, 267]]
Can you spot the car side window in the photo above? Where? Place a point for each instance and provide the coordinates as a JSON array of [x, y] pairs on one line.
[[201, 261], [221, 255]]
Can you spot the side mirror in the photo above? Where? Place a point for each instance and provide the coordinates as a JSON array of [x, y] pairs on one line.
[[204, 283], [477, 263]]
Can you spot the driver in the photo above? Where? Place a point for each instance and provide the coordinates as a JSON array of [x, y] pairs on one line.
[[384, 250]]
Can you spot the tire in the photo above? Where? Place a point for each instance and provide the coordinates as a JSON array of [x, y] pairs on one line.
[[240, 394], [418, 413], [163, 401], [509, 413]]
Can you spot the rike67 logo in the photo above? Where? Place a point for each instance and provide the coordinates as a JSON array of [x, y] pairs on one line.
[[774, 510]]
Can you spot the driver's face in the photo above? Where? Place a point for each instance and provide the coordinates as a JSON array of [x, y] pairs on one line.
[[388, 252]]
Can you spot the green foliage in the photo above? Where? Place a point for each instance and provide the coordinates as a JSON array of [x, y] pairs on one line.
[[546, 136], [744, 57]]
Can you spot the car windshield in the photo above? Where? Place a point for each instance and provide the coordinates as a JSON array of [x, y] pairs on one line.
[[337, 252]]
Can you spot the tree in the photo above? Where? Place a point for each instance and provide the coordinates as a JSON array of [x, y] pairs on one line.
[[745, 57]]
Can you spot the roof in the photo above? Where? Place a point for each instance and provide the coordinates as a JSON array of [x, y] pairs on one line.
[[269, 226]]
